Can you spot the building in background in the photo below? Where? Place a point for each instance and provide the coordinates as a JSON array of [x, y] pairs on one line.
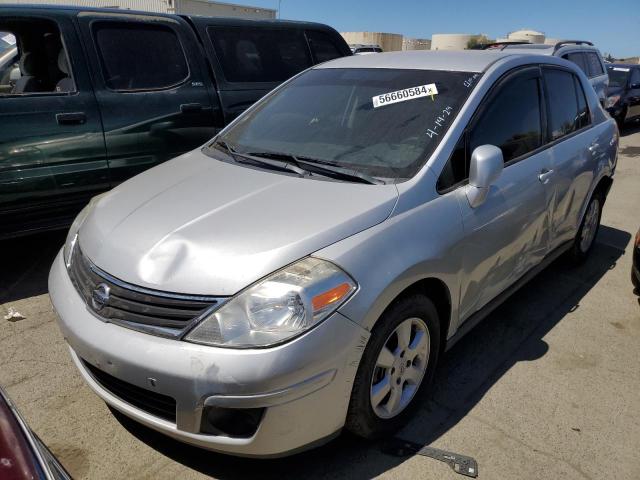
[[390, 42], [416, 43], [529, 36], [191, 7], [457, 41]]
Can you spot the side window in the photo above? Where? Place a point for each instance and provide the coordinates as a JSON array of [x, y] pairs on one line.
[[584, 118], [259, 54], [635, 78], [33, 59], [563, 104], [579, 59], [511, 120], [595, 67], [139, 56], [322, 46]]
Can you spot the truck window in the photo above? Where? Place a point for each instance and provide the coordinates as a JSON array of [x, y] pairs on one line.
[[33, 59], [593, 62], [323, 48], [259, 54], [139, 56]]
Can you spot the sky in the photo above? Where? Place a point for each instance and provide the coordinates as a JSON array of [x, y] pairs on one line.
[[612, 25]]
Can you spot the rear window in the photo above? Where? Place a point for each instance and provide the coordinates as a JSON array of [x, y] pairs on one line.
[[618, 76], [593, 62], [259, 54], [579, 59], [140, 56], [323, 47], [564, 115]]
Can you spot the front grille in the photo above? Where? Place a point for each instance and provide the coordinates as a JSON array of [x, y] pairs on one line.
[[151, 402], [150, 311]]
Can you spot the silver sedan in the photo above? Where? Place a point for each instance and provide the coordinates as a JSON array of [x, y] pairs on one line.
[[305, 270]]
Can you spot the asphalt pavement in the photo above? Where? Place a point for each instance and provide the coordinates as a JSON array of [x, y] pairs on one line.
[[547, 387]]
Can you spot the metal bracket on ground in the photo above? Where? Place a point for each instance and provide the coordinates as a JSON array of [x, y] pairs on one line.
[[461, 464]]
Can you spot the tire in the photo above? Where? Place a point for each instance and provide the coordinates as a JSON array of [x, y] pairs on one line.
[[620, 119], [372, 422], [581, 247]]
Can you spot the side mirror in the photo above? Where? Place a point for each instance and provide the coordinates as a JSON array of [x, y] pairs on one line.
[[486, 166]]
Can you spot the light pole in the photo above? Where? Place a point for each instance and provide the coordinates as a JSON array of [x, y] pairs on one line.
[[279, 2]]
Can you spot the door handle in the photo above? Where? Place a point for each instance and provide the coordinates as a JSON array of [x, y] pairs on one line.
[[544, 176], [75, 118], [191, 107], [593, 148]]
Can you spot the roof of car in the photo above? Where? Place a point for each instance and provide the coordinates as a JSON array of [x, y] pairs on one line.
[[459, 61]]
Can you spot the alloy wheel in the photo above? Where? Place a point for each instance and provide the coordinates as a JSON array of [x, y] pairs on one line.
[[590, 226], [400, 367]]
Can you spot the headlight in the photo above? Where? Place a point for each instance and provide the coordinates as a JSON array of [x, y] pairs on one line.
[[611, 101], [72, 235], [278, 308]]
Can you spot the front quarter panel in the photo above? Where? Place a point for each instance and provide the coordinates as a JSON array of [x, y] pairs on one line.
[[419, 242]]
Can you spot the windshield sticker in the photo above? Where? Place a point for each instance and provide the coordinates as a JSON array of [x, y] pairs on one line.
[[10, 39], [440, 121], [471, 80], [404, 95], [618, 69]]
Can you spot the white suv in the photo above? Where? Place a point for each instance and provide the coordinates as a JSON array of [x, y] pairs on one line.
[[580, 52]]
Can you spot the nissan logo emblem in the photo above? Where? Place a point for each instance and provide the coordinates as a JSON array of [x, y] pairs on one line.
[[100, 296]]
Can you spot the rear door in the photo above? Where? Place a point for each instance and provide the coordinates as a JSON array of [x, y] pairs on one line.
[[574, 148], [151, 85], [52, 152], [250, 59]]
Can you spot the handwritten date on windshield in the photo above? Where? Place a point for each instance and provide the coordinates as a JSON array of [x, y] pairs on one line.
[[440, 121]]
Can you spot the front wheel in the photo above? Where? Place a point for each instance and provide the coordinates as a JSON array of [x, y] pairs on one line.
[[586, 236], [396, 367]]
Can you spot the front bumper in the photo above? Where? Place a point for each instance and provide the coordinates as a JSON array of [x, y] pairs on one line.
[[304, 385]]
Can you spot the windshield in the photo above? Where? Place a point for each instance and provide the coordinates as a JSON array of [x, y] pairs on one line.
[[379, 122], [618, 76]]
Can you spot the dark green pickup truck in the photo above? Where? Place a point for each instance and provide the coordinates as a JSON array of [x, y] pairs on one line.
[[91, 97]]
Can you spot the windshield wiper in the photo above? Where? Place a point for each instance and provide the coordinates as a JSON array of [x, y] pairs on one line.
[[321, 167], [250, 158]]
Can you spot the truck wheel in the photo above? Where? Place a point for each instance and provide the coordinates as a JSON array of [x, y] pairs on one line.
[[589, 227], [396, 368]]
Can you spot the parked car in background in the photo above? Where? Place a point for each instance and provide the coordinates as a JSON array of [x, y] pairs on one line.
[[365, 49], [580, 52], [623, 100], [23, 456], [305, 270], [635, 267], [91, 97]]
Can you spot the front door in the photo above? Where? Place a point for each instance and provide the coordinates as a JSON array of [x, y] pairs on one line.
[[52, 152], [151, 86], [509, 233]]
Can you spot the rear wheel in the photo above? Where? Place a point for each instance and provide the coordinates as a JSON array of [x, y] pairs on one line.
[[396, 367], [586, 236]]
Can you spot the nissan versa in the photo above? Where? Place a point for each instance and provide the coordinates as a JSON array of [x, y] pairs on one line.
[[306, 269]]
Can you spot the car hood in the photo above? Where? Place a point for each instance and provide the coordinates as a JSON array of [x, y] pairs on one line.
[[198, 225]]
